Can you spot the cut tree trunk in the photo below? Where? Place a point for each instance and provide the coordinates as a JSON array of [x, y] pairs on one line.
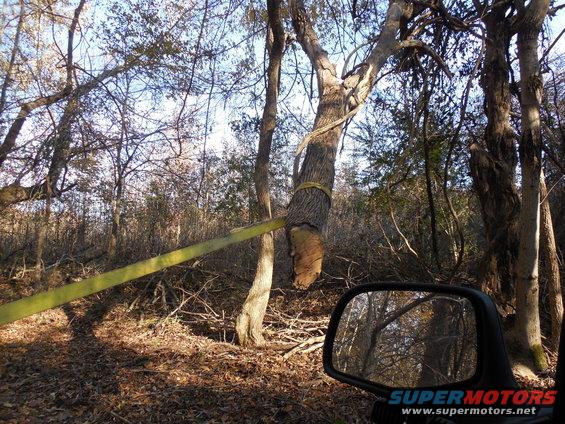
[[249, 323], [309, 208], [527, 294]]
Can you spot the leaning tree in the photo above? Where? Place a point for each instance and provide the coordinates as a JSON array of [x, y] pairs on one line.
[[340, 97]]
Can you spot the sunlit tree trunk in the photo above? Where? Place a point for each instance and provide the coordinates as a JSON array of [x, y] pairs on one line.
[[249, 323], [527, 293]]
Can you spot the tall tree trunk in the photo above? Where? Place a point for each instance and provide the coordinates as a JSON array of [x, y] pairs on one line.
[[527, 293], [249, 323], [493, 168], [551, 265]]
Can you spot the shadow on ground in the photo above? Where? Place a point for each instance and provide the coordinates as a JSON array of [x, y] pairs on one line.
[[116, 371]]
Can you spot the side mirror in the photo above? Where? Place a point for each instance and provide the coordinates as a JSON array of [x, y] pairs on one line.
[[386, 336]]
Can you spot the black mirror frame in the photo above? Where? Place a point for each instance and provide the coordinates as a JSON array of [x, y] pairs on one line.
[[493, 367]]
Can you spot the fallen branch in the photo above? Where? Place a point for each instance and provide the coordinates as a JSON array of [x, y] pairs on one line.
[[306, 346]]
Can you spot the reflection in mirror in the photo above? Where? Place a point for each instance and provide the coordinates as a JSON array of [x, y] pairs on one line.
[[407, 339]]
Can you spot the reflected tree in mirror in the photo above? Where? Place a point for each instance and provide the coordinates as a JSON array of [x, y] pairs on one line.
[[407, 339]]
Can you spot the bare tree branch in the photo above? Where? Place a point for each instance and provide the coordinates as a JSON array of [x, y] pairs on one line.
[[419, 45]]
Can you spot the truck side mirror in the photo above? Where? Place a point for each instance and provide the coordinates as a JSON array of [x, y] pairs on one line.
[[385, 336]]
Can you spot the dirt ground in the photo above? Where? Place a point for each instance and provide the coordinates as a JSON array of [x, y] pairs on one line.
[[93, 363]]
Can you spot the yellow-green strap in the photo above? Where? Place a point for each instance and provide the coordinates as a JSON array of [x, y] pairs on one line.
[[312, 184], [42, 301]]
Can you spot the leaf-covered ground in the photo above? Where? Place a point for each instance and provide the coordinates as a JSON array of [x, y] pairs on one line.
[[88, 363], [94, 362]]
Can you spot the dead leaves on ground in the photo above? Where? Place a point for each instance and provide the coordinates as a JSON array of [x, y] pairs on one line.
[[121, 370]]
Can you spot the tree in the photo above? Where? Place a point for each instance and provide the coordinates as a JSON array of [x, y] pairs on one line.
[[549, 252], [149, 56], [28, 107], [13, 54], [493, 166], [530, 20], [339, 100], [554, 137], [249, 323]]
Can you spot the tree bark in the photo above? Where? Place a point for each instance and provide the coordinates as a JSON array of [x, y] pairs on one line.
[[249, 323], [551, 265], [527, 294], [309, 208], [493, 168], [62, 142]]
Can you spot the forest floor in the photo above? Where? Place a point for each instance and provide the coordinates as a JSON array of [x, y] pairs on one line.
[[94, 362]]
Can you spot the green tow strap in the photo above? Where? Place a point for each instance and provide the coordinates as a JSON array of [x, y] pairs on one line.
[[30, 305], [312, 184]]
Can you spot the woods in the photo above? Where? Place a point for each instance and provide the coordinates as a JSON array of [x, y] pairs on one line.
[[402, 140]]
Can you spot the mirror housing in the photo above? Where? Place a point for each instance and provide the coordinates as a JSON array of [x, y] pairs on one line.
[[492, 366]]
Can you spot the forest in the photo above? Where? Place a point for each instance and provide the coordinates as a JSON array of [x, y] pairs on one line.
[[400, 140]]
